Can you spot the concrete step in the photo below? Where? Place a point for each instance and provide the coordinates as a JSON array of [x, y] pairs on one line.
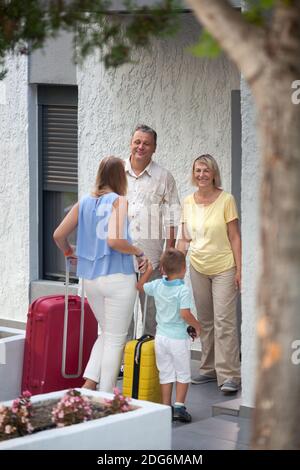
[[229, 407]]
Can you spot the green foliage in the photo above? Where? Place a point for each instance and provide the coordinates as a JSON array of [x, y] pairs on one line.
[[261, 4], [149, 23], [117, 35], [206, 47], [25, 25], [258, 10], [267, 4]]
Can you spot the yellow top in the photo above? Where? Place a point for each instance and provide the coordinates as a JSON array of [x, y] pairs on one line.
[[210, 249]]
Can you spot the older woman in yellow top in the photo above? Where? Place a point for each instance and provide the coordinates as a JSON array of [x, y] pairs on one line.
[[210, 228]]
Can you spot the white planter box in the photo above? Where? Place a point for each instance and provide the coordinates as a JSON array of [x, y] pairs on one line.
[[148, 427], [11, 362]]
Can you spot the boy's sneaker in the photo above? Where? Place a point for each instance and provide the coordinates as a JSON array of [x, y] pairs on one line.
[[179, 413]]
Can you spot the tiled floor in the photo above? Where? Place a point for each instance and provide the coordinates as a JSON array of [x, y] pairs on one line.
[[206, 432]]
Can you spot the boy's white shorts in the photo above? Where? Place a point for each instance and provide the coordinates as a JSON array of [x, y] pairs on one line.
[[173, 359]]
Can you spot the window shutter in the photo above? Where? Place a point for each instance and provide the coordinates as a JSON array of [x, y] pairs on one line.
[[59, 147]]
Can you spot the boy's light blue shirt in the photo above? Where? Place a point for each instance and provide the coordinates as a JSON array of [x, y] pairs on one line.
[[170, 297]]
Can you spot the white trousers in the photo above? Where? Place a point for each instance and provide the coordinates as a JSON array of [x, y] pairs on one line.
[[112, 300], [173, 359]]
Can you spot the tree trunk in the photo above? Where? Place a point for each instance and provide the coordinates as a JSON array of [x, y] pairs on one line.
[[269, 59], [277, 411]]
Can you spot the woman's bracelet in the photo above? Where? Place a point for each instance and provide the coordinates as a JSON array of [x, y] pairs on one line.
[[140, 255], [68, 252]]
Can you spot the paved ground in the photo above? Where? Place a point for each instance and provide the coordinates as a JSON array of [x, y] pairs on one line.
[[205, 432], [223, 432]]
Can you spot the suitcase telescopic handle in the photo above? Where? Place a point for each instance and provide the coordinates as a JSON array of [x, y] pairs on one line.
[[65, 332], [145, 312], [135, 316]]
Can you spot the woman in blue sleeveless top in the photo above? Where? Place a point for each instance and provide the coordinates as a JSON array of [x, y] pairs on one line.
[[105, 261]]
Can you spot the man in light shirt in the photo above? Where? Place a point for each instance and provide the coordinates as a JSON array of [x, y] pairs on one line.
[[154, 207]]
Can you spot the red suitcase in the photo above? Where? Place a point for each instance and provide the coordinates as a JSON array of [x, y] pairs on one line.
[[59, 339]]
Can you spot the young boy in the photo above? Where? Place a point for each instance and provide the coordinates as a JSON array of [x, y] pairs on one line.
[[172, 344]]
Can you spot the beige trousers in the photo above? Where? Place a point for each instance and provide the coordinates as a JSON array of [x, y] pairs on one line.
[[215, 299]]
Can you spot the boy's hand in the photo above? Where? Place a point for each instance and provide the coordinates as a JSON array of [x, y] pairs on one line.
[[144, 277], [139, 285], [192, 332]]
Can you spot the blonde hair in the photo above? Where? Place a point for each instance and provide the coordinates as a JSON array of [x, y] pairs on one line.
[[111, 176], [212, 165]]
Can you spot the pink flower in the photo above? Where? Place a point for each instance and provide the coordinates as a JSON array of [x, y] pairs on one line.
[[29, 428], [15, 420], [72, 408], [8, 429]]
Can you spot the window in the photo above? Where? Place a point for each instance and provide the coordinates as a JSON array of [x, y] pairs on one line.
[[58, 157]]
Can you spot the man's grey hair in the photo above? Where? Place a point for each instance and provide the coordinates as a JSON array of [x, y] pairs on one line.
[[147, 129]]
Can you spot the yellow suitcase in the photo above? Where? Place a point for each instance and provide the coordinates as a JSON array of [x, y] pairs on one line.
[[140, 379]]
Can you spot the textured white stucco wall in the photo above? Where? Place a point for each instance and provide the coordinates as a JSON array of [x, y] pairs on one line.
[[186, 99], [250, 237], [53, 64], [14, 191]]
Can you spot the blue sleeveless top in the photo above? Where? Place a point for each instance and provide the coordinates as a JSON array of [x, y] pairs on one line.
[[95, 257]]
